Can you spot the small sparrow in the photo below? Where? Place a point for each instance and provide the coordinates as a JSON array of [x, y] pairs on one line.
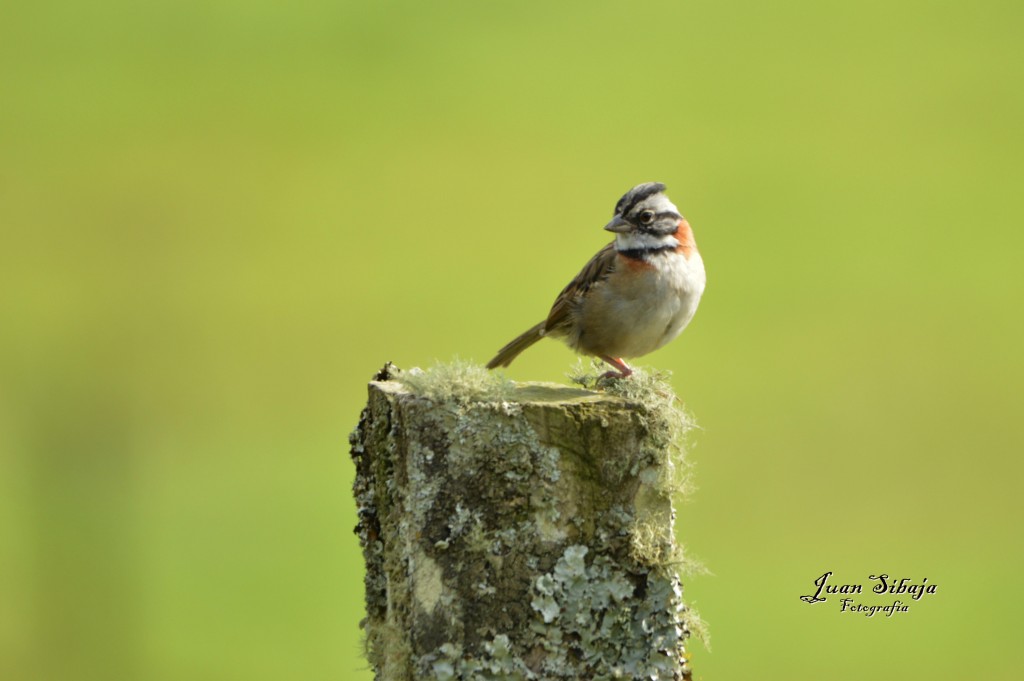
[[638, 293]]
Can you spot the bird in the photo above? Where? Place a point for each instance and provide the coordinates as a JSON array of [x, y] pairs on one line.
[[635, 295]]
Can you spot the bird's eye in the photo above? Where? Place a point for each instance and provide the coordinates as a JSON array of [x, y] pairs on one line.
[[647, 217]]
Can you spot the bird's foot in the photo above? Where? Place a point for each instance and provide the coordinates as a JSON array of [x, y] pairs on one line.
[[624, 371]]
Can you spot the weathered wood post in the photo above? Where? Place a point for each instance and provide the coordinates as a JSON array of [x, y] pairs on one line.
[[520, 531]]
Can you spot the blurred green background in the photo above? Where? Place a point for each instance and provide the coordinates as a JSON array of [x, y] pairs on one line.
[[220, 218]]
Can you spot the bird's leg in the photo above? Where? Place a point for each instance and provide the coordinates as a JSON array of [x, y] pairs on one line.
[[623, 369]]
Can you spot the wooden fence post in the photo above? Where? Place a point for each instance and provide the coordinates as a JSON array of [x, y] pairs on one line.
[[520, 531]]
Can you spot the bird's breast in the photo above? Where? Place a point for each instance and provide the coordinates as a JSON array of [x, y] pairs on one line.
[[642, 305]]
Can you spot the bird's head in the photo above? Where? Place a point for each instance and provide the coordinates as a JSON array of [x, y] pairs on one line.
[[645, 219]]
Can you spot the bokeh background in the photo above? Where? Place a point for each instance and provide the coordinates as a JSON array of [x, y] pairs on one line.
[[220, 218]]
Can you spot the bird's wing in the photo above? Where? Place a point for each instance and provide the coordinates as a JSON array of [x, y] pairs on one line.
[[598, 269]]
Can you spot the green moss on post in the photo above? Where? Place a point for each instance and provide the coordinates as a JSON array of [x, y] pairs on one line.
[[520, 531]]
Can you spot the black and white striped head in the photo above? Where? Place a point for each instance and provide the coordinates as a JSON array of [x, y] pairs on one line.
[[645, 218]]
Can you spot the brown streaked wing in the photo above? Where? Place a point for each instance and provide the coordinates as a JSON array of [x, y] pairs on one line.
[[599, 267]]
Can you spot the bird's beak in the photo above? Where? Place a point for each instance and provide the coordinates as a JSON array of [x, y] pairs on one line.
[[618, 225]]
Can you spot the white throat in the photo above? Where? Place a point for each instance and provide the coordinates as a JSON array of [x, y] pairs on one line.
[[639, 241]]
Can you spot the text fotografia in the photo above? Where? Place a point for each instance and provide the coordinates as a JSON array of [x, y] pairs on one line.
[[883, 585]]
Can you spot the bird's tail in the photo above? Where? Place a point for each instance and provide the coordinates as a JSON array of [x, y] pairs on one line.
[[517, 345]]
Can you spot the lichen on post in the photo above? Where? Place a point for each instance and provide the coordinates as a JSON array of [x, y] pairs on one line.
[[520, 531]]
